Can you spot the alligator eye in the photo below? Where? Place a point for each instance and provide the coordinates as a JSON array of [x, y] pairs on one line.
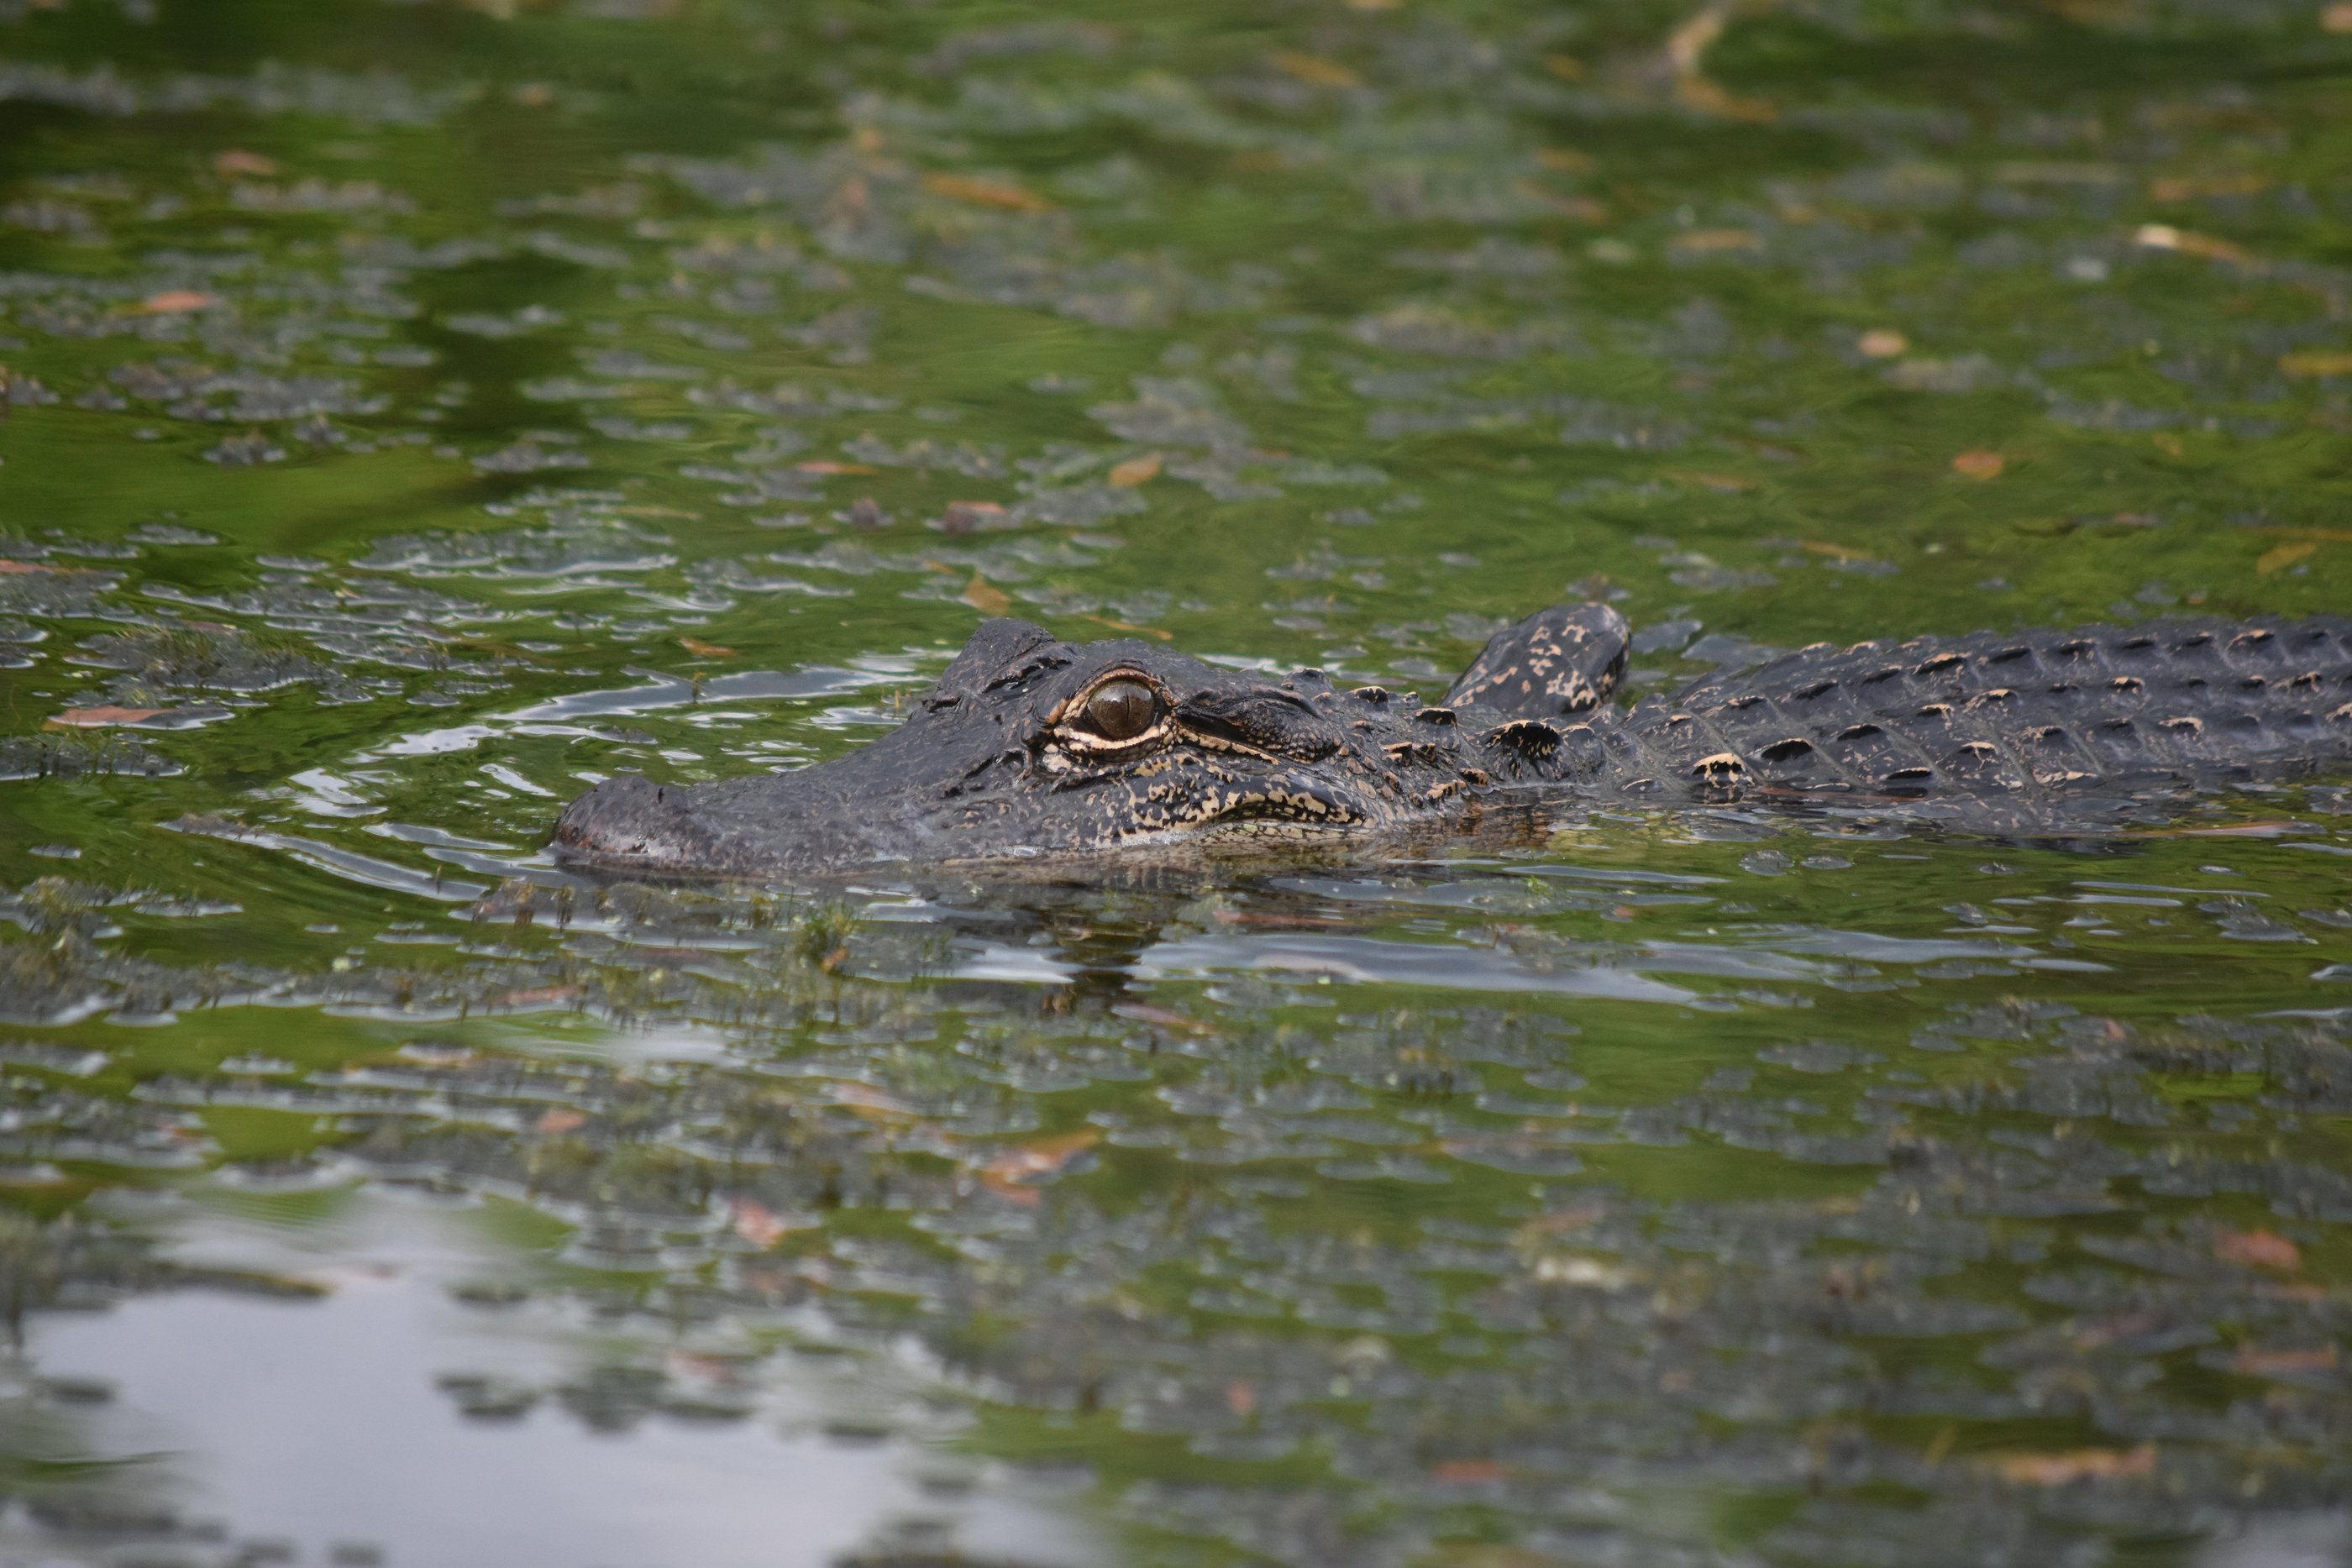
[[1122, 710]]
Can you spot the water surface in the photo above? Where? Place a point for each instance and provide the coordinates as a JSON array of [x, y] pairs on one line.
[[415, 412]]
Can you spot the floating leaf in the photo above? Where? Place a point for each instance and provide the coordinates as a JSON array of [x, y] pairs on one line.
[[1980, 463], [235, 161], [1557, 1221], [99, 718], [1687, 45], [756, 1223], [1131, 628], [2164, 236], [535, 997], [1704, 240], [986, 596], [1042, 1156], [1315, 71], [1008, 1173], [175, 302], [2075, 1465], [1467, 1472], [987, 192], [2317, 362], [702, 650], [2180, 189], [1687, 50], [870, 1101], [1135, 470], [1731, 483], [2257, 1248]]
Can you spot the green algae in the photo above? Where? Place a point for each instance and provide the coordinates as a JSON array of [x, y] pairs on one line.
[[425, 409]]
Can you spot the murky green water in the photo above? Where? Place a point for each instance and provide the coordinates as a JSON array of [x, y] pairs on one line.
[[415, 410]]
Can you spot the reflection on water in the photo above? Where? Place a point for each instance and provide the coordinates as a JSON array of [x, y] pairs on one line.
[[543, 1432], [415, 412]]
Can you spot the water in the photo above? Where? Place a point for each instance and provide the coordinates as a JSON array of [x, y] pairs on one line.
[[417, 411]]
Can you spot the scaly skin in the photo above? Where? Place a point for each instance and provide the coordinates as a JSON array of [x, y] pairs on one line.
[[2044, 733]]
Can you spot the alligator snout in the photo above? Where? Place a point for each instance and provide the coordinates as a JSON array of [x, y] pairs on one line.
[[630, 821]]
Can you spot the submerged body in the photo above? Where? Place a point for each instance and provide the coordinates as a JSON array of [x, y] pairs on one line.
[[1029, 745]]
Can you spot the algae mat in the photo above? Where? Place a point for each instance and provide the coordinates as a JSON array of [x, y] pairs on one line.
[[414, 410]]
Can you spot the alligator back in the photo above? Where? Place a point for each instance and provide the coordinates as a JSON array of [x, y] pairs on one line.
[[1567, 658], [2032, 723]]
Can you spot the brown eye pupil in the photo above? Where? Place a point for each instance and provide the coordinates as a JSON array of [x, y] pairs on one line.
[[1122, 710]]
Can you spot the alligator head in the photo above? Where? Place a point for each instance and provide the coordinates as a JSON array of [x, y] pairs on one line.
[[1029, 745]]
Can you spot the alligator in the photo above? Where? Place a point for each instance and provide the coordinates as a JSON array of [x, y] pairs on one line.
[[1030, 747]]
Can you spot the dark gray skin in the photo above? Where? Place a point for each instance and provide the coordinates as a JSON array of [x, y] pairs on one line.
[[1030, 747]]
